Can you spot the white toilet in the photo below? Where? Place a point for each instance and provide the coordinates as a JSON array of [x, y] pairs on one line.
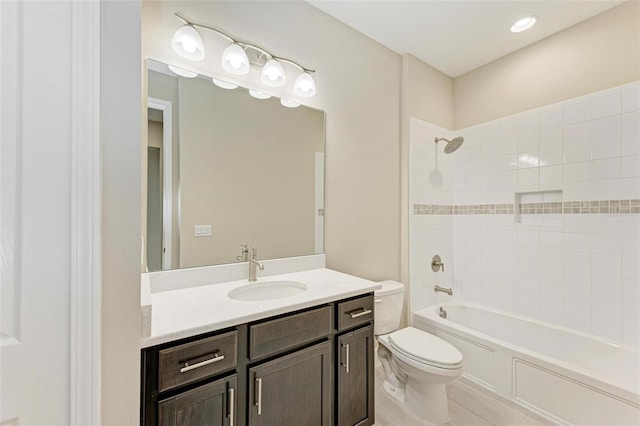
[[417, 364]]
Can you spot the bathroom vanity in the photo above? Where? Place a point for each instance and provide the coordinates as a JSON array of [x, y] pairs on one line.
[[299, 360]]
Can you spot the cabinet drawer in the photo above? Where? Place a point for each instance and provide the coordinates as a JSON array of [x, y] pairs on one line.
[[195, 360], [276, 335], [355, 312]]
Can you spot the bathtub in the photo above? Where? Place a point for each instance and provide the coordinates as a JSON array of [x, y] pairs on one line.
[[564, 375]]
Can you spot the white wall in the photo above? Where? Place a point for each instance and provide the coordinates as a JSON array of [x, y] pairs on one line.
[[601, 52], [428, 93], [121, 135], [358, 85]]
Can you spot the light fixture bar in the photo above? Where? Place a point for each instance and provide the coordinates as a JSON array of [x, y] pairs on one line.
[[240, 42]]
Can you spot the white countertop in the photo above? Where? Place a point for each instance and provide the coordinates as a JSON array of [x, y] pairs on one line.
[[185, 312]]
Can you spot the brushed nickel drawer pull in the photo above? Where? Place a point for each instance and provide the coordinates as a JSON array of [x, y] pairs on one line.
[[188, 367], [363, 311], [231, 405], [259, 401]]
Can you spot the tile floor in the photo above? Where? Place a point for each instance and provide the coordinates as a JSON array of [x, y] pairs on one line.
[[469, 405]]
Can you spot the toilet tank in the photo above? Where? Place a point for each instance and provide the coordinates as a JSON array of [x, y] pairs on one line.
[[388, 307]]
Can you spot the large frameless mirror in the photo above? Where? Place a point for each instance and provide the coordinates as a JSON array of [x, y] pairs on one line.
[[225, 169]]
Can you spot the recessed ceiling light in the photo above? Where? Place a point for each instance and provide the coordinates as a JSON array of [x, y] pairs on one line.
[[523, 24]]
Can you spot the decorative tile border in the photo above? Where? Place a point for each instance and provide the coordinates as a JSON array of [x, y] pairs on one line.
[[566, 207], [603, 206]]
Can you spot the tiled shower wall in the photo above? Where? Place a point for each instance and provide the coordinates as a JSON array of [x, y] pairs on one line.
[[543, 217], [429, 234]]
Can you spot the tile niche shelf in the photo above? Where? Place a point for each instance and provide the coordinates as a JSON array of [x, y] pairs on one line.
[[538, 207]]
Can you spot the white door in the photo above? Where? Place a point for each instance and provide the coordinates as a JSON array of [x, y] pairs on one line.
[[38, 220]]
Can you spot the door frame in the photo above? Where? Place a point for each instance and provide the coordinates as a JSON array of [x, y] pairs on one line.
[[167, 176], [85, 216]]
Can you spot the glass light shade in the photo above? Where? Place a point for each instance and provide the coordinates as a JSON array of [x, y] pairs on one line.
[[182, 72], [234, 60], [273, 73], [258, 94], [224, 84], [523, 24], [304, 86], [289, 104], [187, 43]]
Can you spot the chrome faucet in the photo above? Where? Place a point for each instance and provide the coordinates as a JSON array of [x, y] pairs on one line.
[[437, 288], [253, 263]]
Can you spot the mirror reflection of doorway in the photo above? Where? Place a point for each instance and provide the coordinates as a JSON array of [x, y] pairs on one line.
[[154, 191]]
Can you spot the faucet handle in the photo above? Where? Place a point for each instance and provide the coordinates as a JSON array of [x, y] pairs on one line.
[[244, 252], [436, 263]]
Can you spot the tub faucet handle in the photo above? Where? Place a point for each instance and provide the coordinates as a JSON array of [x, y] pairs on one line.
[[436, 263]]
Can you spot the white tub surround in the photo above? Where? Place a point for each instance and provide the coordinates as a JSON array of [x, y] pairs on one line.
[[180, 311], [567, 376], [536, 214]]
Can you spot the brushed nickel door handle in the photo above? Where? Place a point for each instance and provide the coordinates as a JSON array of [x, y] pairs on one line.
[[259, 399], [346, 364], [231, 406]]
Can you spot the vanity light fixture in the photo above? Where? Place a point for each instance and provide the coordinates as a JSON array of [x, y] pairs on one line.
[[187, 43], [239, 56], [258, 94], [289, 104], [224, 84], [304, 86], [235, 60], [182, 72], [273, 74], [523, 24]]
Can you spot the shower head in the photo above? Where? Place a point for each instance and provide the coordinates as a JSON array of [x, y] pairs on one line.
[[452, 144]]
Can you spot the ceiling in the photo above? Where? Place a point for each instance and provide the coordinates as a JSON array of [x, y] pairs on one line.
[[458, 36]]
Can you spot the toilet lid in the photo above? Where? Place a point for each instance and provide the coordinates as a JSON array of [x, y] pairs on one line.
[[425, 347]]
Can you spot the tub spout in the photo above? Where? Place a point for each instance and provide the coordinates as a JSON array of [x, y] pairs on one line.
[[437, 288]]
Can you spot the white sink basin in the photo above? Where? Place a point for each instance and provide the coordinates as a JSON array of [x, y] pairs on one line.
[[267, 290]]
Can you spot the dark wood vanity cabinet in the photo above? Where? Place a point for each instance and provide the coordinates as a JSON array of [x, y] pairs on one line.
[[310, 367], [292, 390], [211, 404], [355, 388], [355, 362]]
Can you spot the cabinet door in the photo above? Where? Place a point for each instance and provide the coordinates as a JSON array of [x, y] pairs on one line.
[[213, 404], [292, 390], [355, 378]]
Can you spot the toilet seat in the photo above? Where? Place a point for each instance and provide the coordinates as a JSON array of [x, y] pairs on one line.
[[425, 348]]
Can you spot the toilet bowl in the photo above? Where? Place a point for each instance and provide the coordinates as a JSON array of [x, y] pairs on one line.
[[417, 364]]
